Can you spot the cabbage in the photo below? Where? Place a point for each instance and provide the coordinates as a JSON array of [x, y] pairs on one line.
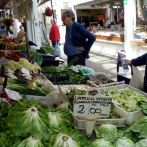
[[30, 142], [124, 142], [68, 138], [141, 143], [27, 116], [101, 143], [107, 131], [60, 117], [23, 62]]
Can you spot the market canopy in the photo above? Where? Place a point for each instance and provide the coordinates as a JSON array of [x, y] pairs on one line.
[[3, 3]]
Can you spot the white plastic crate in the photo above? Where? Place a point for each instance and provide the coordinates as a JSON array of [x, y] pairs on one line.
[[130, 116], [81, 125], [53, 98]]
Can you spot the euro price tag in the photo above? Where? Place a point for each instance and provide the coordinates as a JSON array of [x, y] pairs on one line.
[[92, 107]]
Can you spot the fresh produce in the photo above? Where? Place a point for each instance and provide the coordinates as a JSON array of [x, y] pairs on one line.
[[101, 143], [33, 87], [50, 69], [32, 141], [68, 88], [141, 143], [59, 118], [101, 79], [126, 97], [70, 95], [68, 138], [47, 49], [107, 131], [28, 117], [143, 105], [10, 55], [23, 63], [124, 142], [2, 80], [22, 48], [136, 131]]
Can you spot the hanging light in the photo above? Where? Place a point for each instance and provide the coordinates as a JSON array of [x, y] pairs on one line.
[[117, 3]]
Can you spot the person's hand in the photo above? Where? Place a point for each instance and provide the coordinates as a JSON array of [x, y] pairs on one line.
[[126, 61], [48, 43], [80, 49]]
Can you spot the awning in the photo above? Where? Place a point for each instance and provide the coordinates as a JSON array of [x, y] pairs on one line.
[[3, 4], [42, 2]]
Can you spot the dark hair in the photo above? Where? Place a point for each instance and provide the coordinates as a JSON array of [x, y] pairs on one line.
[[70, 13]]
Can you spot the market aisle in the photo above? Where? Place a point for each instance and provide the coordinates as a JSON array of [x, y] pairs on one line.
[[99, 63]]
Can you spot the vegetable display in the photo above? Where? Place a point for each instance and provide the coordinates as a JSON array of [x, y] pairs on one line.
[[59, 118], [47, 49], [107, 131], [126, 97], [101, 143], [28, 117]]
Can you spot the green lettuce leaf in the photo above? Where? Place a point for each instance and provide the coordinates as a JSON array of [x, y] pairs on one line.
[[68, 138], [141, 143], [101, 143], [60, 117], [107, 131], [124, 142], [27, 116]]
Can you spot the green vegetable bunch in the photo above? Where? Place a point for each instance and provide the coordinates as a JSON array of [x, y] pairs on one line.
[[28, 117], [47, 49]]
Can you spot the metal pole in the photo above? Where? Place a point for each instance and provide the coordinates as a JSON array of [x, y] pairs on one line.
[[52, 10]]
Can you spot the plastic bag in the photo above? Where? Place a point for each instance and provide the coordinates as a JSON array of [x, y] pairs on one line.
[[36, 57], [57, 52], [137, 79]]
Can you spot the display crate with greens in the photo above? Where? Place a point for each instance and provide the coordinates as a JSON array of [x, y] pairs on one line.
[[47, 49]]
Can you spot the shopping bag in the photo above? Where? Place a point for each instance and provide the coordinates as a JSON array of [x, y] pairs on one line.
[[137, 79], [57, 52]]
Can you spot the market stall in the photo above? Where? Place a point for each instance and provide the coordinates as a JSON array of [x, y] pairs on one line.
[[65, 106]]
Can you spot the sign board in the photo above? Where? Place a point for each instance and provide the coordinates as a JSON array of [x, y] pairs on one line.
[[93, 105], [13, 94], [125, 2]]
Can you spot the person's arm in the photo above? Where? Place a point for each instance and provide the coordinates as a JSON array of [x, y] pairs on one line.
[[87, 35], [139, 61]]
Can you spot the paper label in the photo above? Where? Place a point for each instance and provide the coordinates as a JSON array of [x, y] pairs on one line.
[[13, 94], [25, 71], [92, 105]]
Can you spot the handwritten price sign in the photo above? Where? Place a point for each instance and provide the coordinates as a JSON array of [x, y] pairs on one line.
[[92, 106]]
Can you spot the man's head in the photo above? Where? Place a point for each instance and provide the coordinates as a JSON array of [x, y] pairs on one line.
[[53, 20], [68, 17]]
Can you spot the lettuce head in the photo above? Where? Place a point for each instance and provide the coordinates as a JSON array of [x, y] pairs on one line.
[[107, 131], [141, 143], [124, 142], [101, 143]]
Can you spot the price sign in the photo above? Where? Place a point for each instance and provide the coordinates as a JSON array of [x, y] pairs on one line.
[[26, 71], [125, 2], [92, 106], [13, 94]]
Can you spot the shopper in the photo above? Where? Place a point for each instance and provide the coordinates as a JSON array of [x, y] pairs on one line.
[[54, 32], [44, 38], [78, 40]]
